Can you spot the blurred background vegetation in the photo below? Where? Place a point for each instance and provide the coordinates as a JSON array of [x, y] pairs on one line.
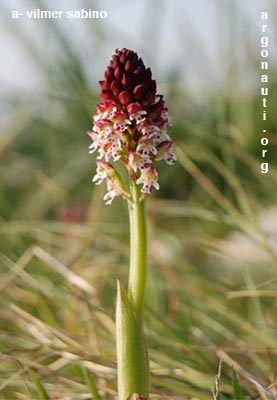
[[212, 284]]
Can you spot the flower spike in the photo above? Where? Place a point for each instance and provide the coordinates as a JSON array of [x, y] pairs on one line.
[[130, 124]]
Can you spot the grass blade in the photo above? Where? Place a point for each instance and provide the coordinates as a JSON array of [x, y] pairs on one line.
[[43, 395], [236, 386], [91, 384]]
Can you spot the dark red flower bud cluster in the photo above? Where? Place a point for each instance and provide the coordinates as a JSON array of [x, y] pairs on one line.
[[127, 80]]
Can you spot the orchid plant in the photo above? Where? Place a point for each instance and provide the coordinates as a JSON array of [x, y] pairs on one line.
[[130, 128]]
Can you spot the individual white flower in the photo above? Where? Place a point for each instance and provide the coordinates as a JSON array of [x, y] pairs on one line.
[[138, 163], [122, 125], [115, 188], [146, 147], [138, 116], [166, 153], [149, 180], [104, 170]]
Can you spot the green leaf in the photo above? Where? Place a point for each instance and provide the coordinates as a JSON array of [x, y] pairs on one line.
[[43, 395], [91, 384], [132, 358], [236, 386]]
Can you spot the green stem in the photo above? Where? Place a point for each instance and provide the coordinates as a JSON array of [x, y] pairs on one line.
[[138, 249], [132, 357]]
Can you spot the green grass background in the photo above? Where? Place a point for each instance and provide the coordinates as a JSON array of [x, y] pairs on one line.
[[62, 249]]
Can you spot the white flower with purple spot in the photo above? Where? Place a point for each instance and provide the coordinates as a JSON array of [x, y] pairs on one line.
[[122, 125], [146, 147], [113, 149], [139, 116], [149, 180], [150, 131], [137, 163]]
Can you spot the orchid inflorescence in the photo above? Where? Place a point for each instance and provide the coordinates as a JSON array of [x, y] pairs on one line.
[[130, 127]]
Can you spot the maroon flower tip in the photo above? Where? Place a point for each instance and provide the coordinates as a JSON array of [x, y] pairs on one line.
[[127, 80]]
